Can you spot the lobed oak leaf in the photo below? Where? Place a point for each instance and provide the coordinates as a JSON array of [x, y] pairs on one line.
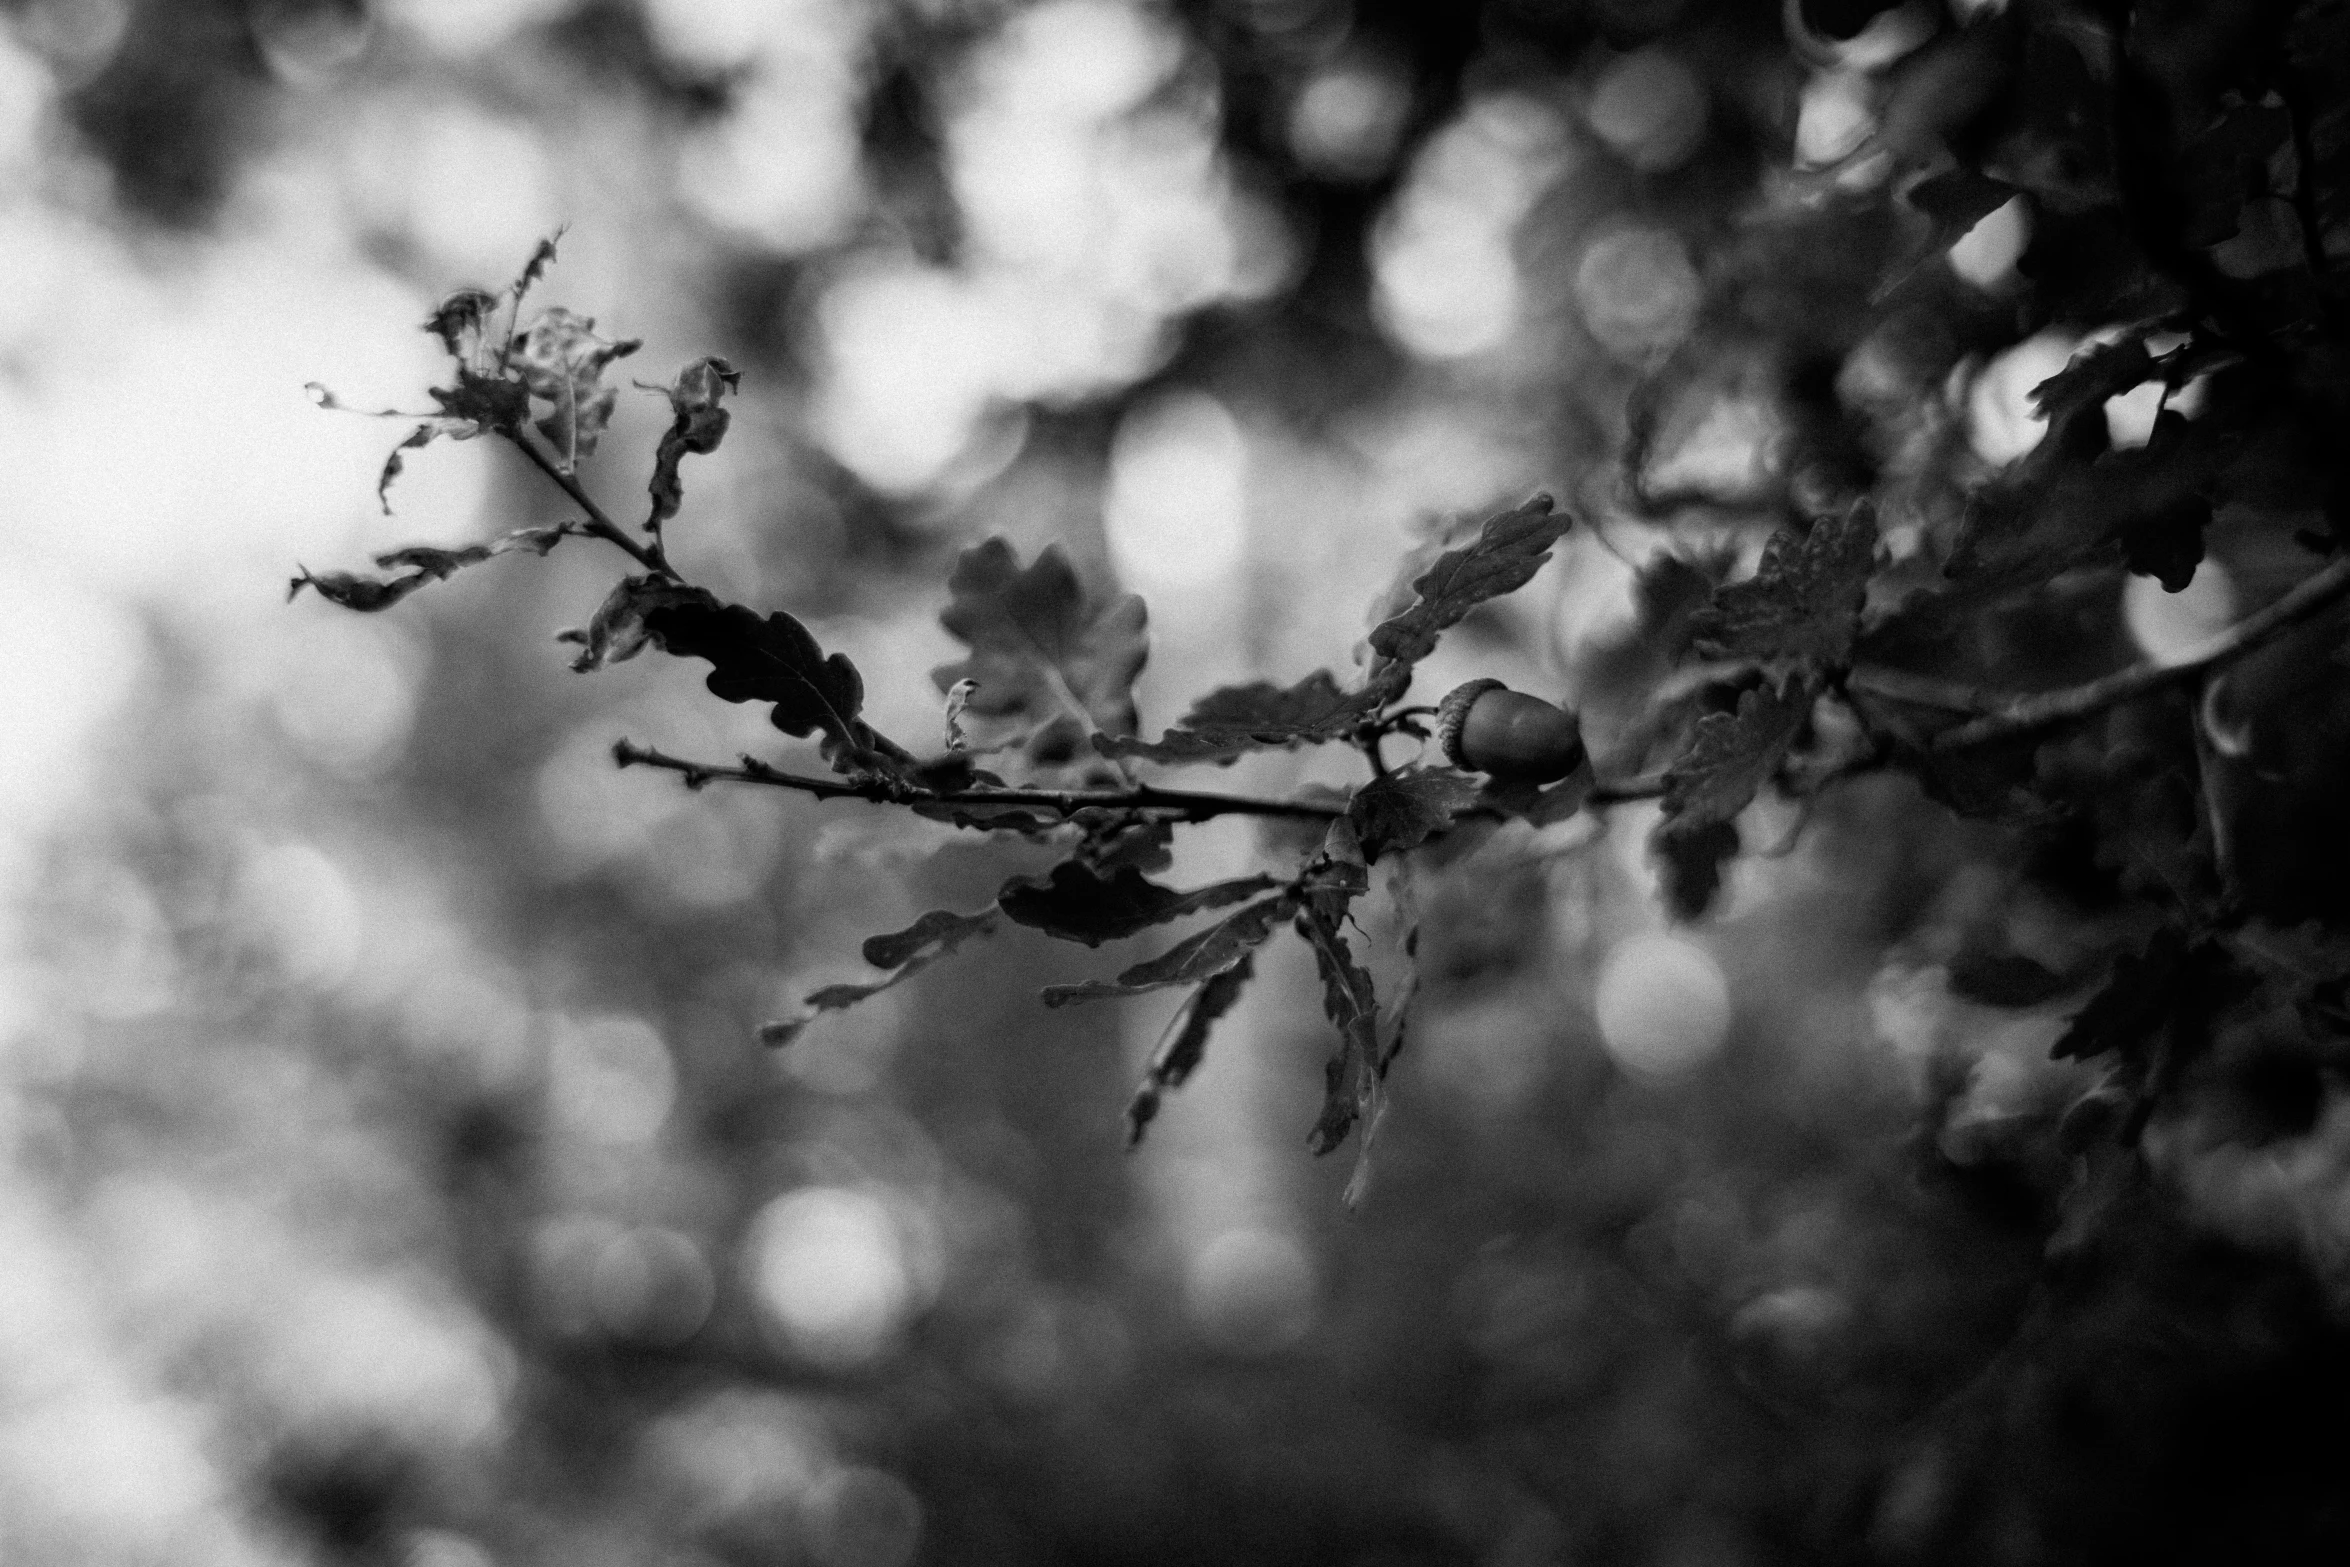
[[697, 424], [776, 660], [1804, 602], [905, 952], [1076, 902], [1402, 810], [1041, 644], [1189, 962], [1729, 757], [1232, 721], [1504, 556]]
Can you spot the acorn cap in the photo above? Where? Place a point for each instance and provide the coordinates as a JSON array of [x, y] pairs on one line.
[[1453, 712]]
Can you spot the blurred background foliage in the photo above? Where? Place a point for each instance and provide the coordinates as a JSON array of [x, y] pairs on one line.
[[391, 1176]]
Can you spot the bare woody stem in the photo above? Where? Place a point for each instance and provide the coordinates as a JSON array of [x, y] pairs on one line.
[[1190, 805], [1180, 804], [2023, 715], [599, 522]]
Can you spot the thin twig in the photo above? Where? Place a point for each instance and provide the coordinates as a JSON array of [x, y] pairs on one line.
[[1628, 791], [2023, 715], [1191, 805], [598, 522], [1182, 804], [1922, 690]]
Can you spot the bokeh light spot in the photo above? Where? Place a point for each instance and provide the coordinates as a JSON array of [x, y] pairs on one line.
[[1986, 254], [1650, 109], [1178, 501], [2003, 422], [2172, 628], [1251, 1291], [1663, 1004], [831, 1269], [295, 902], [1638, 292], [861, 1517], [610, 1078]]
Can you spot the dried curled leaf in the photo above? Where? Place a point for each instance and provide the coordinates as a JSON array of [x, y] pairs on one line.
[[365, 594], [1234, 720], [562, 360], [1804, 602], [958, 698], [906, 953], [1506, 553], [1190, 962], [1351, 1080], [618, 630], [1041, 644], [1075, 902], [1402, 810], [482, 403], [697, 423], [1185, 1043], [459, 320], [396, 463]]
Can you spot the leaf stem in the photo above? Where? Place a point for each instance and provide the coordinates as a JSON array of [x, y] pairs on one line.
[[599, 522], [2023, 715]]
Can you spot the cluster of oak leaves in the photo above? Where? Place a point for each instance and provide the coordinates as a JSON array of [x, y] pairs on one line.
[[1761, 692]]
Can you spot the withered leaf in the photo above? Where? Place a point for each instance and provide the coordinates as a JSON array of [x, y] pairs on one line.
[[396, 463], [562, 360], [619, 629], [486, 402], [697, 423], [351, 591]]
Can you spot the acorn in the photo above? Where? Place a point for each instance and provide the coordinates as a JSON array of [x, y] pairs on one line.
[[1485, 727]]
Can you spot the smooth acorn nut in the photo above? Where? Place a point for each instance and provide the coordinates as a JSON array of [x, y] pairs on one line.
[[1485, 727]]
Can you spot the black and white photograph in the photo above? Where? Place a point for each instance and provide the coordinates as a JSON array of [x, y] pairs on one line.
[[1098, 783]]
